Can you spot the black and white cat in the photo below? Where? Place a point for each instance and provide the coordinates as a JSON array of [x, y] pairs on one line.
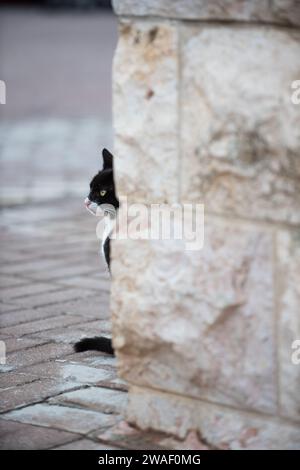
[[102, 196]]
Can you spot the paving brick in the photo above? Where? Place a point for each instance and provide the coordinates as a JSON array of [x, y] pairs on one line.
[[28, 289], [88, 359], [36, 213], [19, 436], [62, 250], [48, 252], [73, 333], [41, 325], [11, 281], [81, 258], [6, 307], [10, 380], [22, 316], [16, 344], [87, 281], [56, 246], [48, 298], [35, 355], [85, 444], [90, 308], [95, 398], [27, 315], [62, 417], [95, 306], [63, 272], [31, 266], [11, 255], [118, 384], [5, 368], [34, 392], [93, 359], [69, 372], [38, 245], [114, 384]]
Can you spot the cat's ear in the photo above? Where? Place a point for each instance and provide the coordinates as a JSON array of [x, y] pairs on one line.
[[107, 159]]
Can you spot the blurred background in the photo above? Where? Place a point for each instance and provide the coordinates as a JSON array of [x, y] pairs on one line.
[[56, 61]]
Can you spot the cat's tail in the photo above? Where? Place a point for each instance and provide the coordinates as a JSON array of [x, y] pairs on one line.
[[98, 343]]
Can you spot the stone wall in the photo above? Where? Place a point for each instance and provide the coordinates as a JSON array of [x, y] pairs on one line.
[[203, 113]]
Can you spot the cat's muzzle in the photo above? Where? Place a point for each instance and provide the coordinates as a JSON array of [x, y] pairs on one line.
[[92, 207]]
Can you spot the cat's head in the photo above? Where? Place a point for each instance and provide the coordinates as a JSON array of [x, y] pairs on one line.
[[102, 188]]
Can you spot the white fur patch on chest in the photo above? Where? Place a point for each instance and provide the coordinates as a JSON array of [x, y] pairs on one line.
[[109, 224]]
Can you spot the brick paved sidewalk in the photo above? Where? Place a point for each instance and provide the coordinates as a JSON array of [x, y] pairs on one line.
[[55, 289]]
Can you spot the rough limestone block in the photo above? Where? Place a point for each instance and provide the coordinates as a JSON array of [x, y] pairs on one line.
[[288, 290], [218, 426], [198, 323], [269, 11], [240, 130], [145, 112]]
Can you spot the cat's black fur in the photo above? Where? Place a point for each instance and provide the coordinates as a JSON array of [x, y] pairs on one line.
[[103, 181], [98, 343], [106, 251]]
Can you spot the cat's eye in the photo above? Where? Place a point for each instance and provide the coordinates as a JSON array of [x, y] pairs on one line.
[[102, 193]]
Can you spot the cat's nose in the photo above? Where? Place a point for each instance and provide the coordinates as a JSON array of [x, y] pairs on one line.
[[87, 202]]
